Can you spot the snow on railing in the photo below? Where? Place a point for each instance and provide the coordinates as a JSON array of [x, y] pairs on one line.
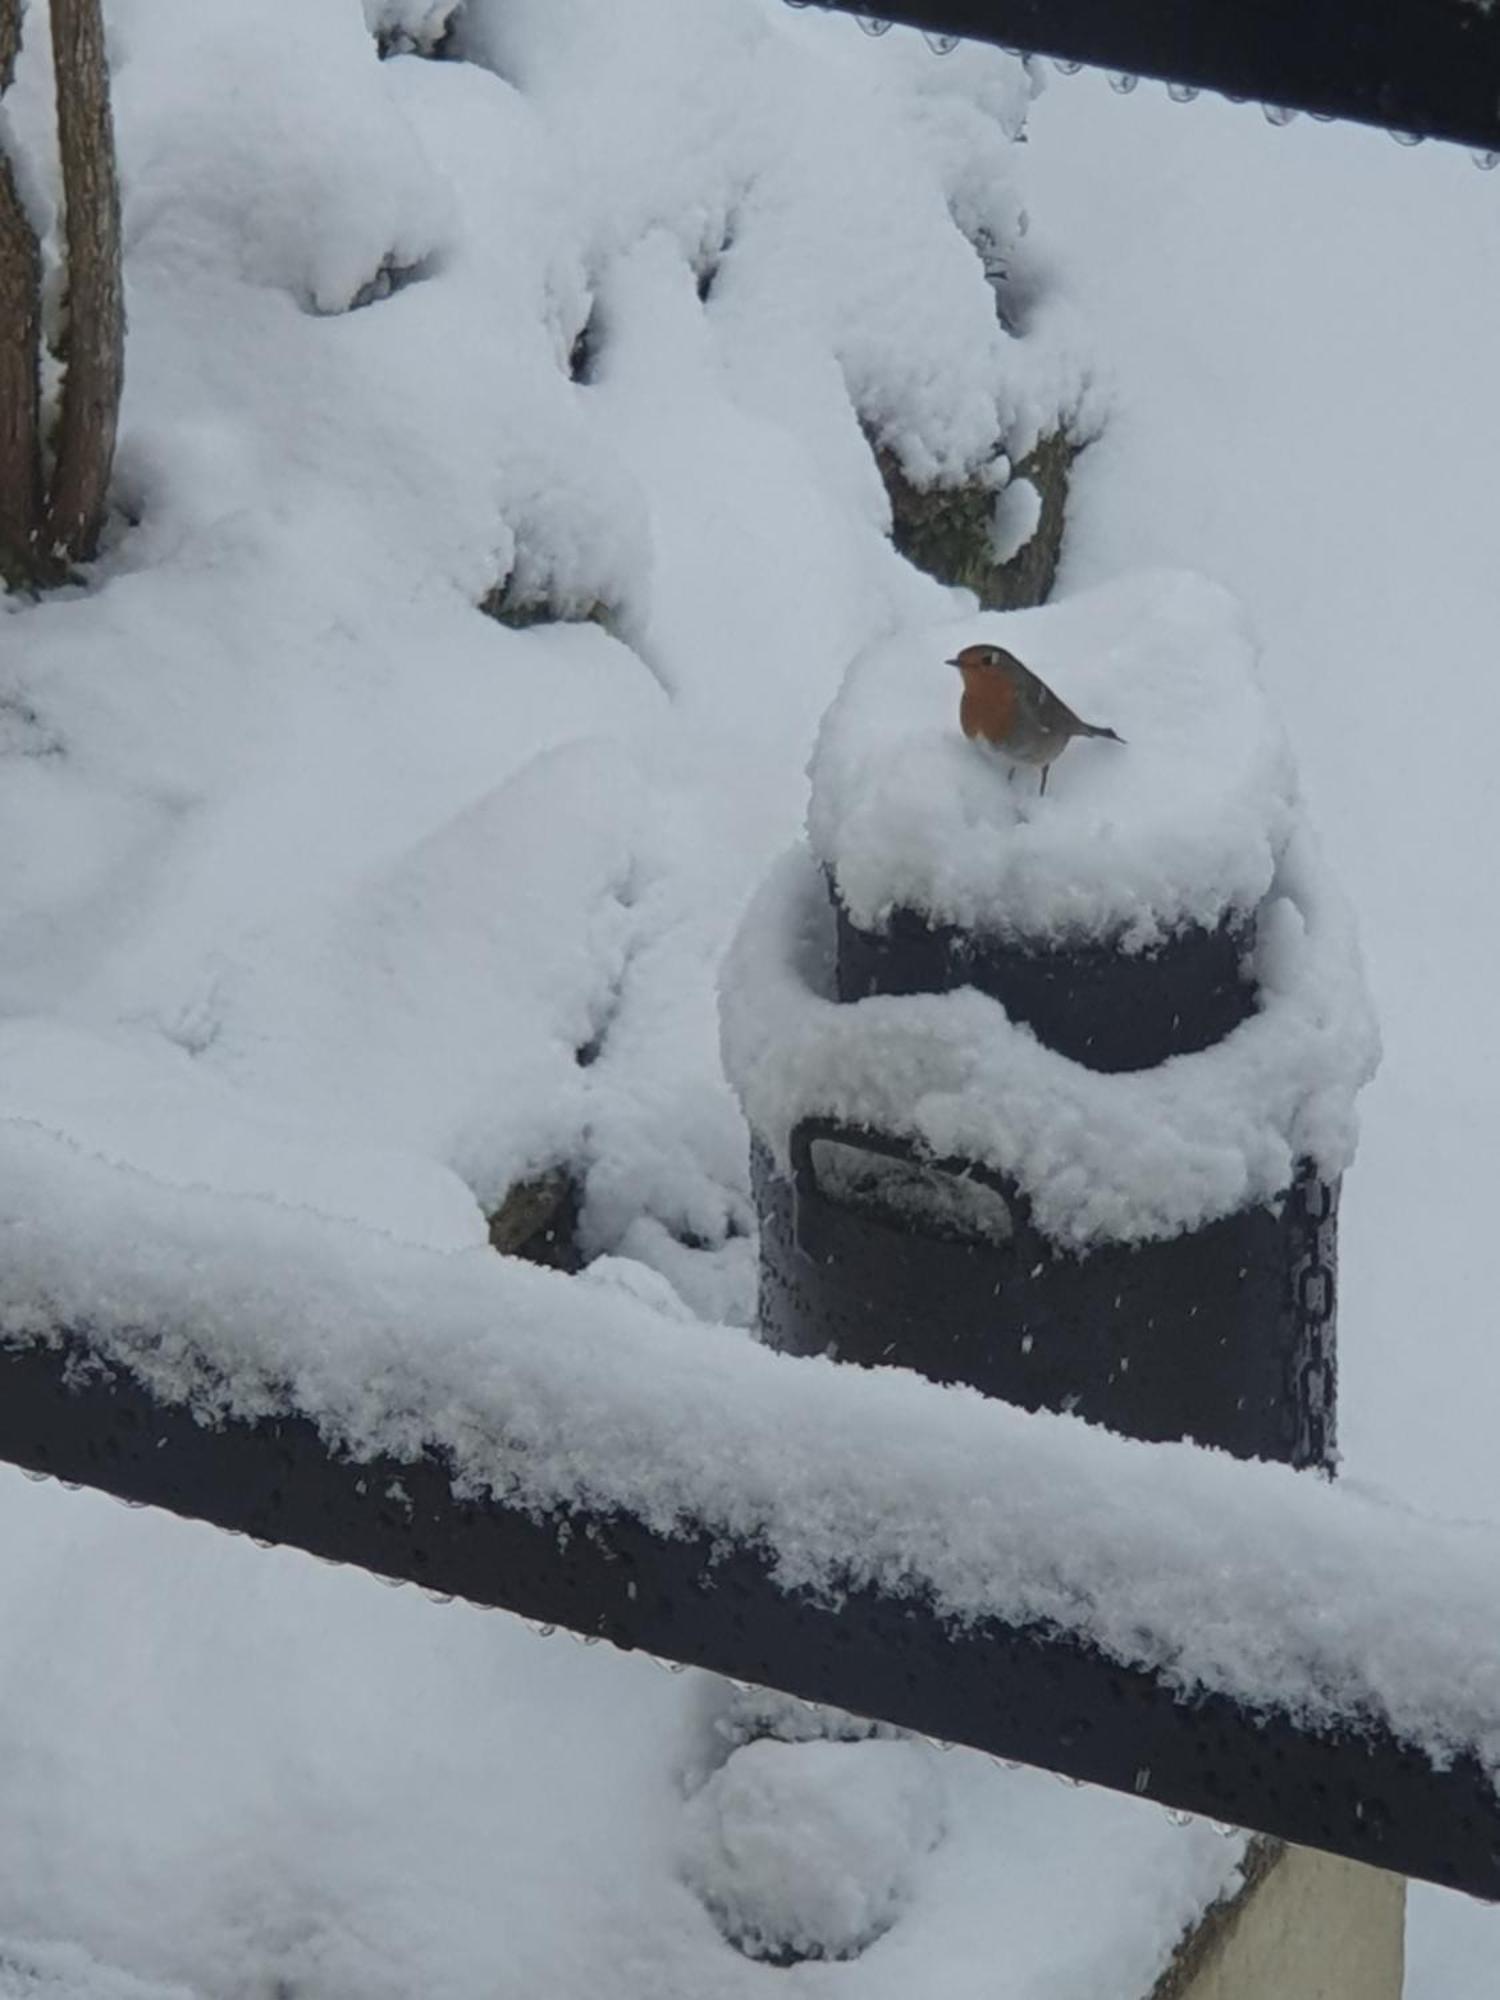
[[1231, 1639]]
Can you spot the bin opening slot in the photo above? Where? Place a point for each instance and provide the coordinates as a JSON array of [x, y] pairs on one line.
[[911, 1195]]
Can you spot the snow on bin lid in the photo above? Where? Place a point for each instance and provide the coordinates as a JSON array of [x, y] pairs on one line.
[[1181, 825], [1123, 1157]]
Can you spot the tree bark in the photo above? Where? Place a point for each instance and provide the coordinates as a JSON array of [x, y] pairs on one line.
[[10, 41], [20, 349], [94, 347]]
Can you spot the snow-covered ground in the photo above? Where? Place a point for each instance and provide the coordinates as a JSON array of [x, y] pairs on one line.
[[321, 881]]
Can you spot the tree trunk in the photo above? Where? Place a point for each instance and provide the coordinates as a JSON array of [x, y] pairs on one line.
[[94, 349], [20, 347]]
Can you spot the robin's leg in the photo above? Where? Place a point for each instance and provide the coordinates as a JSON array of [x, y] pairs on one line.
[[1043, 792]]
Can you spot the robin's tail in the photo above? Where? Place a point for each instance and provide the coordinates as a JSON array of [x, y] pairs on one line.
[[1093, 729]]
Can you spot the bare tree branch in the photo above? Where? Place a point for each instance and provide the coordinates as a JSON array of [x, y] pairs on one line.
[[95, 343]]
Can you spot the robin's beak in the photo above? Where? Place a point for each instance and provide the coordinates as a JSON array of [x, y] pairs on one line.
[[953, 663]]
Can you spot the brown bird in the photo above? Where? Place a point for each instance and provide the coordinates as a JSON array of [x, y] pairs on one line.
[[1005, 704]]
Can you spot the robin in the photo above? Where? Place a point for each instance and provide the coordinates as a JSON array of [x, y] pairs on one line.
[[1006, 705]]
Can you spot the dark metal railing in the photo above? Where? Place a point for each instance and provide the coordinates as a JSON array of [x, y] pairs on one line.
[[1041, 1696], [1421, 68]]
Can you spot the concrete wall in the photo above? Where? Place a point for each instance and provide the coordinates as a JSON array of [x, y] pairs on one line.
[[1308, 1927]]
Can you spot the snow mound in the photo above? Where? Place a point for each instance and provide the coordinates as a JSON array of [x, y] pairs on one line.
[[809, 1850], [592, 327], [250, 166], [1124, 1157], [1183, 824]]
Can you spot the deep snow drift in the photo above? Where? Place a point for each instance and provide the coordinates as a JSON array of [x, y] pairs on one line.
[[330, 889]]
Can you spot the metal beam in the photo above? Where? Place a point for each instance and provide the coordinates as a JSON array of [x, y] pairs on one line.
[[1038, 1696], [1424, 67]]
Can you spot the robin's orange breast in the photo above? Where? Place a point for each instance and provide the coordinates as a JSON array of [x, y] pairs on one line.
[[988, 708]]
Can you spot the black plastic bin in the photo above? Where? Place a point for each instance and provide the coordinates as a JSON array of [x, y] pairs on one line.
[[1224, 1335], [875, 1254]]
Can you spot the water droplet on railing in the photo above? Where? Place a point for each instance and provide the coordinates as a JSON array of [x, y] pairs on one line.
[[1407, 138], [1122, 81], [873, 24], [1065, 66], [30, 1472], [1486, 161], [941, 45], [1182, 93], [1179, 1818], [1278, 114]]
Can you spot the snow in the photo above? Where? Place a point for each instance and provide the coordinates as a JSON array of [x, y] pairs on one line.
[[810, 1849], [1250, 1579], [63, 1972], [1125, 1158], [333, 906], [1183, 824], [1301, 324], [429, 904], [977, 1880], [294, 1775]]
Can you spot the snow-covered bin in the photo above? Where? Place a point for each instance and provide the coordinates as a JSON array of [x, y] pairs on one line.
[[948, 1175]]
